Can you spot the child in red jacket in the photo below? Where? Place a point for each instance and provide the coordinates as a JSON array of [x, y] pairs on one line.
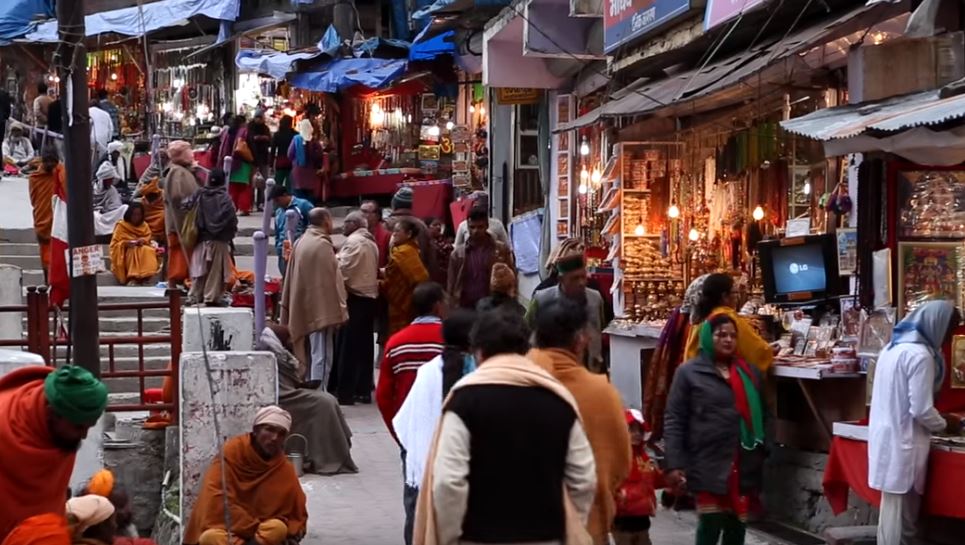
[[637, 497]]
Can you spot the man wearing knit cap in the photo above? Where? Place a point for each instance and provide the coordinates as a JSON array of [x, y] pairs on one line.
[[267, 504], [46, 415], [402, 208]]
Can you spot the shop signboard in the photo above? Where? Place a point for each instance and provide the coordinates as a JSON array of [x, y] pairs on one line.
[[721, 11], [626, 20], [518, 95]]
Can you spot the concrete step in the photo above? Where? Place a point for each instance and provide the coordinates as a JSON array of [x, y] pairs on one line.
[[32, 261], [126, 351], [245, 246], [35, 277], [18, 235], [20, 248], [110, 325]]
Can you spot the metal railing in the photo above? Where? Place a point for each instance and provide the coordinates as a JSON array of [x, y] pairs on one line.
[[43, 337]]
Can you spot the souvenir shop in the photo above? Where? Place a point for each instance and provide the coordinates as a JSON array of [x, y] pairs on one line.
[[189, 90], [119, 69]]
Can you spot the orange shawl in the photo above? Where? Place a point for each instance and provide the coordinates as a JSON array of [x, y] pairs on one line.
[[258, 490], [127, 262], [403, 273], [154, 211], [46, 529], [606, 427], [34, 474], [42, 185]]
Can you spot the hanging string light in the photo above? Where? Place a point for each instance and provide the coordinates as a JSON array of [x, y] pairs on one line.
[[694, 234], [674, 211], [585, 147]]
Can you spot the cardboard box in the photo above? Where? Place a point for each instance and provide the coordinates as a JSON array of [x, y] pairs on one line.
[[905, 65]]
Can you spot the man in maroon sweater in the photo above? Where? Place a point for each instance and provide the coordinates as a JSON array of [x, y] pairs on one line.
[[405, 352]]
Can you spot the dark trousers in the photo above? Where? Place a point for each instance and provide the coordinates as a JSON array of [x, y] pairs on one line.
[[410, 496], [356, 350], [711, 527]]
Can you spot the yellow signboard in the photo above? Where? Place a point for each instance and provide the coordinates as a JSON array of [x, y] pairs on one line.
[[518, 95]]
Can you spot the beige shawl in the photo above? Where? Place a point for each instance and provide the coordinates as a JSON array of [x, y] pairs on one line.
[[179, 183], [314, 294], [509, 370]]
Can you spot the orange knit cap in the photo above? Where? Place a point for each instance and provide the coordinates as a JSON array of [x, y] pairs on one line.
[[102, 483], [46, 529], [502, 280]]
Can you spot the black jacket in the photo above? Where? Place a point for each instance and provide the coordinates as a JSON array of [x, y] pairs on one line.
[[702, 430]]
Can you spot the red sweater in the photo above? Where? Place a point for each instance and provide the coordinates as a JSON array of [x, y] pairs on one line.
[[405, 352]]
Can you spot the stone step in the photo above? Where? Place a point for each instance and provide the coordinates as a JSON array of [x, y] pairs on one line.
[[35, 277], [126, 350], [20, 248], [109, 325], [245, 246], [18, 235]]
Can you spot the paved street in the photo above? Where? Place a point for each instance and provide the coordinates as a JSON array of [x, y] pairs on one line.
[[366, 508]]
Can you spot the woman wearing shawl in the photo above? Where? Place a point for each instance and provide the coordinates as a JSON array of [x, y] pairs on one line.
[[315, 413], [279, 151], [234, 143], [305, 154], [903, 416], [179, 183], [217, 224], [404, 272], [714, 432], [718, 295], [133, 254]]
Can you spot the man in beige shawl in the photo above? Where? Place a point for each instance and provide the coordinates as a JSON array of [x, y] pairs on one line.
[[313, 301], [510, 463], [178, 183]]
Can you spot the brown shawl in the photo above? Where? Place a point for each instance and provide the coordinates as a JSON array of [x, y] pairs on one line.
[[605, 426], [314, 294], [506, 370], [259, 490], [179, 184]]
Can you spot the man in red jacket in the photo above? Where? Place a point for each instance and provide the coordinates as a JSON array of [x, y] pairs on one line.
[[405, 352]]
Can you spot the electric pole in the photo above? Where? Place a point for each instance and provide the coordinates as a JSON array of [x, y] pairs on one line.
[[71, 62]]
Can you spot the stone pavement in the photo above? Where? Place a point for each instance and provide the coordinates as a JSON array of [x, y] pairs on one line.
[[366, 508]]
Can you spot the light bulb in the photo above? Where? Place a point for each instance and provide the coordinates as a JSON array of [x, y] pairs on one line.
[[114, 77], [758, 213], [449, 125], [807, 188], [673, 212], [639, 230], [694, 234], [472, 109], [584, 175], [582, 189], [56, 79], [596, 176], [584, 147], [482, 111], [434, 130]]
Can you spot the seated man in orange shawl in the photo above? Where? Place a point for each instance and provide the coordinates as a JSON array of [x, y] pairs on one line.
[[46, 415], [152, 199], [133, 254], [265, 498], [42, 184]]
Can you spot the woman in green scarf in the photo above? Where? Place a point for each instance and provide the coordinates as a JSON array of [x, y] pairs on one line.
[[714, 433]]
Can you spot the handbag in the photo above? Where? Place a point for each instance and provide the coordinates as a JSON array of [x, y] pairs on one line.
[[189, 228], [243, 152]]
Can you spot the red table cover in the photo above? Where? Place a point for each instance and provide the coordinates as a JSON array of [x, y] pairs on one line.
[[848, 469], [430, 199]]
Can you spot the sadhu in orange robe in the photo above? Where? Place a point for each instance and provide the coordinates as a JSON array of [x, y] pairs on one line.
[[265, 498], [152, 199], [34, 474], [42, 184], [129, 262]]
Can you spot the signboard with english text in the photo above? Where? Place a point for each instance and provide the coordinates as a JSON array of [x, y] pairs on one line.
[[626, 20]]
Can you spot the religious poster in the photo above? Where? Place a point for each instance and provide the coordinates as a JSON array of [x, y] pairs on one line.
[[847, 251], [958, 362], [927, 270]]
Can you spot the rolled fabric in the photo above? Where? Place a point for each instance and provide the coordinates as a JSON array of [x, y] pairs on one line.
[[75, 394], [274, 416], [89, 510]]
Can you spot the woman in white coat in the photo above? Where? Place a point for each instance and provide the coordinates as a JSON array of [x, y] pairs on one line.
[[903, 417]]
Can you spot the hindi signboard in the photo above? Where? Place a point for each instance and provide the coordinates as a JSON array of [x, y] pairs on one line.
[[626, 20]]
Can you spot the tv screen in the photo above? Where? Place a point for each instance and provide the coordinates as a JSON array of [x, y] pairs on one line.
[[799, 268]]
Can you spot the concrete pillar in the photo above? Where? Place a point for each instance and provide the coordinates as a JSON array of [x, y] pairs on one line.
[[11, 293], [221, 329], [243, 382]]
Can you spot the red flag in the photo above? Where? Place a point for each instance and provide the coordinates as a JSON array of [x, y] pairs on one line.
[[59, 276]]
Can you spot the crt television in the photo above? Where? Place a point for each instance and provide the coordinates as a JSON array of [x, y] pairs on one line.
[[799, 269]]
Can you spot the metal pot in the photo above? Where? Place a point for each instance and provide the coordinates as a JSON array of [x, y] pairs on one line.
[[295, 458]]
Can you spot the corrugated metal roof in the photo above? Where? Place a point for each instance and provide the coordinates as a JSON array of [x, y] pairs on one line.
[[888, 115]]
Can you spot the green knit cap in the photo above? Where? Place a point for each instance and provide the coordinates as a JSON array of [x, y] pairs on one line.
[[75, 394]]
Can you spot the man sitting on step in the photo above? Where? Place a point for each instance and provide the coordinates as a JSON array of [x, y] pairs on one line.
[[266, 502]]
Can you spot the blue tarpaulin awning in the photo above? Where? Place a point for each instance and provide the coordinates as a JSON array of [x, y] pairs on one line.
[[275, 65], [431, 48], [139, 20], [340, 74], [17, 16]]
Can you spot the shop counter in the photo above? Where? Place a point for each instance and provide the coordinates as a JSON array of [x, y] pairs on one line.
[[847, 470], [809, 398], [630, 350]]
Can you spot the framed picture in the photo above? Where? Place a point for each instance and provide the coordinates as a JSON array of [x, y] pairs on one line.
[[564, 209], [958, 361], [927, 270], [563, 187], [563, 229], [430, 103], [564, 143], [563, 164], [847, 251], [850, 318], [931, 203], [876, 332]]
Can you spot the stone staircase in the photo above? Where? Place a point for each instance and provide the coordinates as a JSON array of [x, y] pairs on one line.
[[18, 247]]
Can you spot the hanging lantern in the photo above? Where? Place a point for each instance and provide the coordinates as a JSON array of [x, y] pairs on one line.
[[585, 147]]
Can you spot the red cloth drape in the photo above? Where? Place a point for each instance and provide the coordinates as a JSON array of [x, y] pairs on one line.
[[430, 199], [848, 469]]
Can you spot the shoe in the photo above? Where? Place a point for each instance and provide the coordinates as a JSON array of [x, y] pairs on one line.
[[346, 402], [365, 400]]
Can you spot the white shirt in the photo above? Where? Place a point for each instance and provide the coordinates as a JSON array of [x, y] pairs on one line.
[[20, 149], [101, 129], [496, 229], [903, 416]]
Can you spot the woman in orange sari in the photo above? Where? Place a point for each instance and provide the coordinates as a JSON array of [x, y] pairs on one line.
[[403, 273], [133, 255]]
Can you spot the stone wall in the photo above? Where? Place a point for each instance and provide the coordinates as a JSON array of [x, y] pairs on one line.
[[793, 493], [137, 464]]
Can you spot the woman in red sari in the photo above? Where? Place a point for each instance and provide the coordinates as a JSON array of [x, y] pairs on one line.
[[714, 433]]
